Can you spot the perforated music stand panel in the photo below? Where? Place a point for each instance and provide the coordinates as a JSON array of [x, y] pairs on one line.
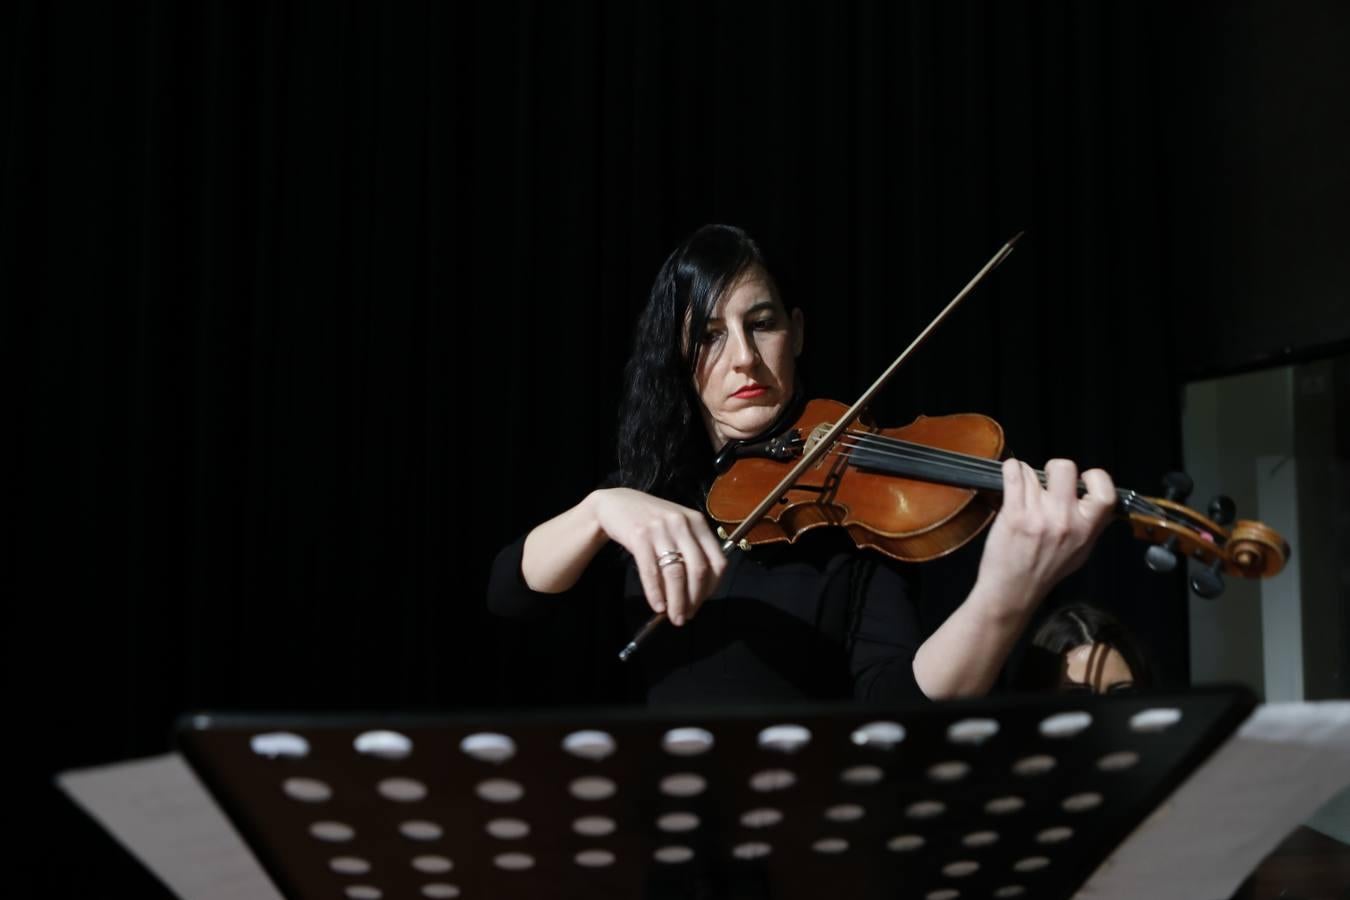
[[998, 798]]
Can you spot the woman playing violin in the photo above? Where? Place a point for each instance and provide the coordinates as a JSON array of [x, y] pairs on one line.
[[715, 360]]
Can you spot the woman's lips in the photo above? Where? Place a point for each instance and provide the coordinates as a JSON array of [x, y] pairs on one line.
[[750, 392]]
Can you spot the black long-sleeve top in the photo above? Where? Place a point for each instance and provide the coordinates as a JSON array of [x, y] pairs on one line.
[[816, 620]]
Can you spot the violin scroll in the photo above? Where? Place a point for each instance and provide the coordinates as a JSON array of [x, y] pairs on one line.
[[1247, 549]]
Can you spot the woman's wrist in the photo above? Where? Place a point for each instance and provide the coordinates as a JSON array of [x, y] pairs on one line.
[[1003, 603]]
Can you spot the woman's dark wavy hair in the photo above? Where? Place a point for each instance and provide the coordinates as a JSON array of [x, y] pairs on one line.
[[1070, 627], [663, 447]]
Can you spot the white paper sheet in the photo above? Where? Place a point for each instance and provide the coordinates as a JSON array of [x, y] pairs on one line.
[[1283, 763], [159, 811]]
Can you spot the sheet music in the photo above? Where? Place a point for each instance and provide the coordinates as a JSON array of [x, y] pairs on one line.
[[160, 812], [1284, 762]]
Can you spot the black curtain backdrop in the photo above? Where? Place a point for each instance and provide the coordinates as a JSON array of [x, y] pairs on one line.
[[312, 307]]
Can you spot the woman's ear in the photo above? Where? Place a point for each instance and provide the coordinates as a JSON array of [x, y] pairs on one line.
[[798, 331]]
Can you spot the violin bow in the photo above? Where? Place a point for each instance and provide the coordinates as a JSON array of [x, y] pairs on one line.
[[827, 440]]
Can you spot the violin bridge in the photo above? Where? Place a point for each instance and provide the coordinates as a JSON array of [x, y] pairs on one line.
[[816, 434]]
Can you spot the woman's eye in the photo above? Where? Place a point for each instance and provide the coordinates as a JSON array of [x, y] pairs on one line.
[[765, 324], [711, 337]]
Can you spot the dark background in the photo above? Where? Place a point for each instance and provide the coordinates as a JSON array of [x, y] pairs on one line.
[[311, 307]]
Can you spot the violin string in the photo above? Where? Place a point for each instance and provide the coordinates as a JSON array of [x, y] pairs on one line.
[[984, 469]]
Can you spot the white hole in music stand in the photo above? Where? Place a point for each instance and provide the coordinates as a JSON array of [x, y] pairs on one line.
[[1030, 766], [1117, 762], [784, 738], [420, 830], [845, 812], [1002, 806], [860, 776], [763, 817], [508, 829], [880, 735], [590, 744], [349, 865], [1065, 724], [687, 741], [402, 790], [279, 744], [439, 890], [592, 787], [363, 892], [972, 731], [1010, 890], [432, 864], [980, 838], [488, 747], [1082, 802], [1056, 835], [772, 780], [1031, 864], [683, 784], [500, 790], [830, 845], [594, 826], [595, 858], [673, 854], [961, 868], [1156, 719], [751, 850], [306, 790], [333, 832], [942, 894], [905, 843], [949, 771], [383, 744], [513, 862], [676, 822], [925, 809]]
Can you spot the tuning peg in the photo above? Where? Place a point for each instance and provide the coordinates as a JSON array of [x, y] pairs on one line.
[[1208, 583], [1177, 486], [1222, 509], [1162, 557]]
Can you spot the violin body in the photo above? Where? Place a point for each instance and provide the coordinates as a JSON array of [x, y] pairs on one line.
[[904, 518]]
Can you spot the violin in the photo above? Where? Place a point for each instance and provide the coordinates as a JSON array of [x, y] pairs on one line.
[[922, 490]]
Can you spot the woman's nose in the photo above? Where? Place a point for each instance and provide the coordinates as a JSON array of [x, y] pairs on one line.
[[744, 353]]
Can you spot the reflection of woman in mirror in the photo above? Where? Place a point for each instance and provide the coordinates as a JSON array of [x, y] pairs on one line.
[[1082, 648]]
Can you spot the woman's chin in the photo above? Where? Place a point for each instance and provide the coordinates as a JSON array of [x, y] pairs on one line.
[[745, 426]]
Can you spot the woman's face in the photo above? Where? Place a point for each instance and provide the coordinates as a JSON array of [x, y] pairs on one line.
[[746, 364], [1096, 667]]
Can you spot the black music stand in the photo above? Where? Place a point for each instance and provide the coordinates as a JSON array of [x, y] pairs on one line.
[[1005, 797]]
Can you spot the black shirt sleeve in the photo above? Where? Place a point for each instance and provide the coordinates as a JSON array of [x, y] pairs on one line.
[[507, 592], [884, 633]]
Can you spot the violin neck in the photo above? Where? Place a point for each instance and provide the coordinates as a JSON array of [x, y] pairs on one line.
[[922, 463]]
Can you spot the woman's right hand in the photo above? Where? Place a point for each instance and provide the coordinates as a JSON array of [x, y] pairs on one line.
[[650, 528]]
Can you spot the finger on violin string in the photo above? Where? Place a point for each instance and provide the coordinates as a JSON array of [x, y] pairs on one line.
[[1014, 492], [1034, 492], [1061, 480], [1100, 499]]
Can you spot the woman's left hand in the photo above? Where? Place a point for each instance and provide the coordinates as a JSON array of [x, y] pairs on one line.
[[1042, 533]]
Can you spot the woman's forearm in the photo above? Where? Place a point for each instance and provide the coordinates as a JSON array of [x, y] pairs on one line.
[[964, 656], [559, 550]]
